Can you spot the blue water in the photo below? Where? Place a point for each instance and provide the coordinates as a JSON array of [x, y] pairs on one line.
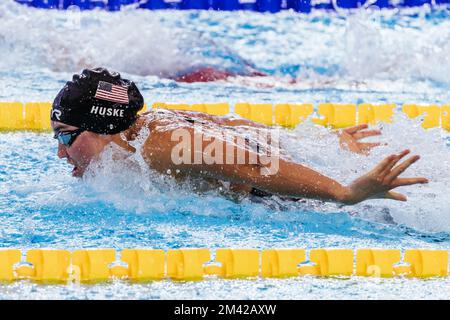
[[368, 56]]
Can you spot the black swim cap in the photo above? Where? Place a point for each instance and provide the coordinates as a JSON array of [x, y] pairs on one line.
[[99, 101]]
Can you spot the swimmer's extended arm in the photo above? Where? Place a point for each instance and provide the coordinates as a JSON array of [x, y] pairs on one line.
[[295, 180], [292, 179]]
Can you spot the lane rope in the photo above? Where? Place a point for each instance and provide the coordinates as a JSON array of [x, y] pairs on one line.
[[98, 265], [36, 115]]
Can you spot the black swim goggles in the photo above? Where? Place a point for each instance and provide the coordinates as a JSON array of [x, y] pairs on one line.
[[67, 137]]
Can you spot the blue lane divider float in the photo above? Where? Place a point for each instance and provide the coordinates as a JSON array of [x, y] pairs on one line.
[[272, 6]]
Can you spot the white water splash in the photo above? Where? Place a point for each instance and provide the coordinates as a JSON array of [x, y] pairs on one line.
[[68, 41], [413, 48], [365, 45], [428, 206], [39, 49]]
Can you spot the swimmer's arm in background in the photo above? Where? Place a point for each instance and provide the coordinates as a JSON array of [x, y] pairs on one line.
[[349, 138], [291, 179], [231, 121]]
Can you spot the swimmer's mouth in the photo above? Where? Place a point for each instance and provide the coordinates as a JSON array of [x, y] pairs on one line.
[[75, 172]]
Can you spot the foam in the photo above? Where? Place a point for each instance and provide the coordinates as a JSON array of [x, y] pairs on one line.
[[366, 45], [67, 41]]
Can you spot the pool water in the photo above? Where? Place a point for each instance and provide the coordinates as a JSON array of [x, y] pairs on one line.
[[362, 56]]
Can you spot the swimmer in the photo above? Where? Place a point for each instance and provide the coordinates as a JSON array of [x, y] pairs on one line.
[[210, 74], [99, 107]]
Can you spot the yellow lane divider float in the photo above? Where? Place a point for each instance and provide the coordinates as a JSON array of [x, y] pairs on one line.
[[97, 265], [35, 115]]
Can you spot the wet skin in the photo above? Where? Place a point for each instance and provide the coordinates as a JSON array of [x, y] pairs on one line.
[[87, 146], [292, 179]]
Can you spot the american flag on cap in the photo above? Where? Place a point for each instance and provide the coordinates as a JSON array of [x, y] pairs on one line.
[[111, 92]]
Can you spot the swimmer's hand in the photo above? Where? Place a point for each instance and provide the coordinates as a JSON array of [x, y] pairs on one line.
[[377, 184], [349, 139]]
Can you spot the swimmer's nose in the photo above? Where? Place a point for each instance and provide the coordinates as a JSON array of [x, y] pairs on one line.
[[62, 152]]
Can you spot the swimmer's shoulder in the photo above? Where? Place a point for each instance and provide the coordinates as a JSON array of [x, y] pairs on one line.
[[167, 117], [152, 117]]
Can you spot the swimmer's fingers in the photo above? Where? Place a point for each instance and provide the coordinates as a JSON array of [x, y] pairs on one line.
[[354, 129], [400, 168], [367, 146], [367, 133], [389, 162], [395, 196], [396, 159], [408, 181]]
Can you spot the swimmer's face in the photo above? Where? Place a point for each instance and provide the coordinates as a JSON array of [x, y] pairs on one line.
[[83, 149]]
